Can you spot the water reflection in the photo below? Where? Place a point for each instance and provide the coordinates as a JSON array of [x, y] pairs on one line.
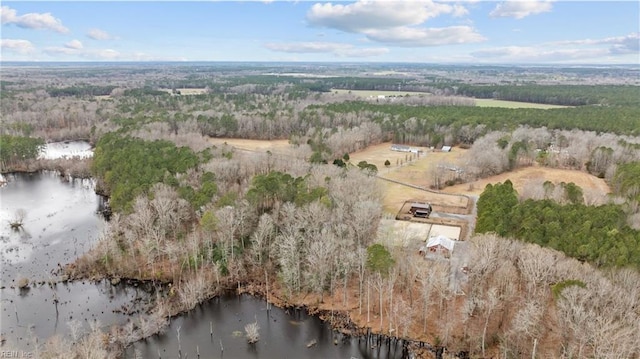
[[283, 334], [61, 225]]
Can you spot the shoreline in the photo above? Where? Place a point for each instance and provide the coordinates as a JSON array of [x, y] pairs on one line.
[[340, 320]]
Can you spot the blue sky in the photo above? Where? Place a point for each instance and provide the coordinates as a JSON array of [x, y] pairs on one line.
[[424, 31]]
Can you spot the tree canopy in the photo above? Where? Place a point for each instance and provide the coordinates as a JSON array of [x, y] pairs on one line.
[[14, 149], [598, 234], [130, 166]]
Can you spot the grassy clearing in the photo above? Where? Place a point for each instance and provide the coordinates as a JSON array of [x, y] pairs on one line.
[[253, 145], [521, 176], [414, 172], [188, 91], [484, 102], [373, 93]]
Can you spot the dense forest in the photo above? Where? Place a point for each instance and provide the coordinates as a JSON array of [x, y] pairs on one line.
[[598, 234]]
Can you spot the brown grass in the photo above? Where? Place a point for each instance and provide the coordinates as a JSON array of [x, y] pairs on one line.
[[521, 176], [414, 172], [275, 146], [188, 91]]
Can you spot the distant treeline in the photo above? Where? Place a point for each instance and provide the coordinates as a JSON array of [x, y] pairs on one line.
[[614, 119], [597, 234], [568, 95], [80, 91]]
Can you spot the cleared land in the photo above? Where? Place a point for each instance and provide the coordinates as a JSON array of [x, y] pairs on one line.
[[275, 146], [484, 102], [413, 172], [373, 93], [396, 194], [188, 91], [521, 176], [404, 233], [416, 172]]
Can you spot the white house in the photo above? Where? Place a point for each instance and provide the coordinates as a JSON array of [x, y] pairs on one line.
[[439, 245]]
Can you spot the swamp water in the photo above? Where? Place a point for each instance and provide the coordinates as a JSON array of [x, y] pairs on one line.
[[61, 224], [283, 334]]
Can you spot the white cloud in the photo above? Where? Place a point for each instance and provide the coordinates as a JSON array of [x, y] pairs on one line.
[[618, 45], [33, 20], [92, 54], [18, 46], [394, 23], [534, 54], [98, 34], [611, 49], [459, 11], [375, 14], [74, 44], [338, 49], [409, 36], [521, 9], [372, 14]]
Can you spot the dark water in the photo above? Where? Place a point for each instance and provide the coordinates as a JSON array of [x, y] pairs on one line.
[[61, 224], [283, 334]]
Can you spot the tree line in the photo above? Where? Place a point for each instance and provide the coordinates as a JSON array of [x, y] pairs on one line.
[[597, 234], [15, 150]]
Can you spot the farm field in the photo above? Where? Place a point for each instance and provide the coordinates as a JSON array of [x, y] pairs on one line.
[[485, 102], [416, 171], [275, 146], [521, 176], [373, 93], [378, 154], [188, 91]]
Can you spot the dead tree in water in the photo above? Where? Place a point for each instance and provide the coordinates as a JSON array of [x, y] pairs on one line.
[[252, 332], [18, 219]]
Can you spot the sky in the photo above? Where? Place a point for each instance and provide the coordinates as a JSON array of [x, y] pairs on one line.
[[415, 31]]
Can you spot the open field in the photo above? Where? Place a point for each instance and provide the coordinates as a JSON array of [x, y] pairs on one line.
[[373, 93], [414, 172], [188, 91], [275, 146], [486, 102], [521, 176], [394, 196], [417, 171], [377, 154]]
